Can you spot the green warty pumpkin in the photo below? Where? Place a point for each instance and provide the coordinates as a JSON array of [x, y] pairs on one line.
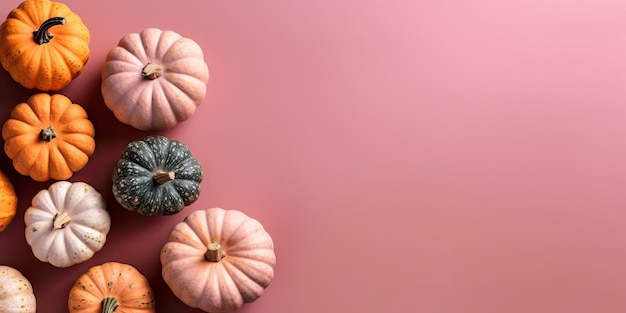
[[156, 176]]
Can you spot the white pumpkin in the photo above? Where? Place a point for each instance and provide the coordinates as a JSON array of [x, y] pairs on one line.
[[16, 292], [67, 223]]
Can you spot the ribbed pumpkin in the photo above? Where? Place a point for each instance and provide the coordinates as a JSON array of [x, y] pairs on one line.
[[48, 137], [217, 260], [111, 287], [43, 45], [156, 176], [154, 79], [8, 202], [67, 223], [16, 292]]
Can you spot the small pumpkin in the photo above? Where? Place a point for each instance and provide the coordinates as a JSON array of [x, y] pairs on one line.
[[111, 287], [67, 223], [48, 137], [44, 45], [16, 292], [154, 79], [217, 260], [8, 202], [156, 176]]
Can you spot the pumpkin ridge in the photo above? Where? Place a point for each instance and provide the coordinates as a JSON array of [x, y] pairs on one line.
[[84, 149], [17, 128], [121, 54], [75, 156], [28, 10], [42, 112], [172, 92], [190, 48], [59, 106], [164, 43], [248, 287], [27, 168], [58, 166], [24, 113], [230, 232], [96, 281], [75, 244], [196, 229], [260, 271], [162, 113], [80, 233]]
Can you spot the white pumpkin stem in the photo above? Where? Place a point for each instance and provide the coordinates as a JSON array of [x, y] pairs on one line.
[[109, 304], [61, 220], [214, 252], [163, 177], [151, 71]]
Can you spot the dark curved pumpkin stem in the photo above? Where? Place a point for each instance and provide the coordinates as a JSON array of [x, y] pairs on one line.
[[47, 134], [163, 177], [42, 35], [109, 304], [214, 252]]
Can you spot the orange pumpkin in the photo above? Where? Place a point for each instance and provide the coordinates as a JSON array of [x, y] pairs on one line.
[[43, 45], [111, 287], [48, 137], [8, 202]]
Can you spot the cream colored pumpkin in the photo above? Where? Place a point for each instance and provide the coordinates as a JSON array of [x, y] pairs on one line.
[[154, 79], [67, 223], [217, 260], [16, 292]]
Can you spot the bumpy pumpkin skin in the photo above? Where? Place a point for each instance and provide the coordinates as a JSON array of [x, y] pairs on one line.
[[16, 292], [217, 260], [45, 155], [67, 223], [156, 176], [111, 287], [8, 202], [154, 79], [43, 63]]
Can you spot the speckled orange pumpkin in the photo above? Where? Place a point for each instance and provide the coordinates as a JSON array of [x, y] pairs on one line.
[[48, 137], [43, 45], [8, 202], [111, 287]]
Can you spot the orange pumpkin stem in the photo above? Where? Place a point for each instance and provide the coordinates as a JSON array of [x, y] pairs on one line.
[[61, 220], [214, 252], [151, 71], [42, 35], [109, 304], [47, 134], [163, 177]]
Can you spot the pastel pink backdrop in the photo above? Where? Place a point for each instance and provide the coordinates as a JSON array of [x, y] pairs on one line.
[[406, 156]]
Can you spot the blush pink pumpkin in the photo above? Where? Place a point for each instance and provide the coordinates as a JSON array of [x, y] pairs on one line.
[[217, 260], [154, 79]]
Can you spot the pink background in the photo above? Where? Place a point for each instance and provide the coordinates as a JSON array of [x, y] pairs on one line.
[[406, 156]]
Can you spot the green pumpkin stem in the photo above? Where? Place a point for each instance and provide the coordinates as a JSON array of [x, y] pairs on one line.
[[163, 177], [47, 134], [42, 35], [151, 71], [109, 304], [214, 252]]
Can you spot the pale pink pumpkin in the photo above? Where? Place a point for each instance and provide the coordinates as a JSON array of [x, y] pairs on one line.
[[217, 260], [154, 79]]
